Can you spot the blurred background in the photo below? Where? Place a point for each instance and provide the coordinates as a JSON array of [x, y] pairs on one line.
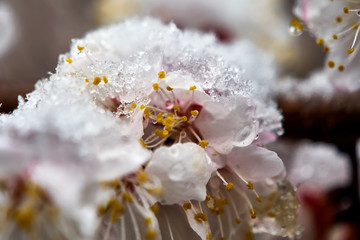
[[34, 33]]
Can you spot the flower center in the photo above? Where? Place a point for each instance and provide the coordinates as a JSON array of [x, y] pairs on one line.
[[170, 120]]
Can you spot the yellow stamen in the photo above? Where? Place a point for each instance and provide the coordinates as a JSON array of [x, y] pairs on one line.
[[184, 118], [155, 86], [25, 217], [150, 234], [203, 143], [335, 37], [165, 133], [161, 74], [346, 10], [296, 23], [194, 112], [320, 41], [142, 143], [237, 220], [229, 186], [341, 68], [168, 121], [87, 80], [169, 88], [116, 209], [351, 50], [187, 206], [142, 177], [159, 117], [80, 48], [96, 81], [133, 105], [250, 185], [176, 108], [200, 217], [127, 197], [155, 208], [105, 79], [253, 213], [142, 107], [192, 88], [68, 60], [147, 221], [331, 64], [147, 112]]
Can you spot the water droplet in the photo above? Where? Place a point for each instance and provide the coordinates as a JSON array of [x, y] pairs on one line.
[[280, 132], [294, 31]]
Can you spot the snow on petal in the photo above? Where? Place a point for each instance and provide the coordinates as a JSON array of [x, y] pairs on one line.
[[184, 170]]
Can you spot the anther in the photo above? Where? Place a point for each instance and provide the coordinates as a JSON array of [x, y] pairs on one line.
[[351, 50], [150, 234], [159, 117], [335, 37], [200, 217], [105, 79], [253, 213], [147, 112], [259, 199], [148, 221], [155, 208], [127, 197], [161, 74], [229, 186], [320, 41], [192, 88], [155, 86], [87, 80], [142, 177], [194, 112], [25, 217], [68, 60], [176, 108], [203, 143], [341, 68], [346, 10], [169, 88], [237, 220], [187, 206], [96, 81], [80, 48], [331, 64], [142, 143], [250, 185], [133, 105], [184, 118]]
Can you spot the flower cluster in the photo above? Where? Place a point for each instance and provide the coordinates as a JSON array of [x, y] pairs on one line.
[[156, 132], [337, 33]]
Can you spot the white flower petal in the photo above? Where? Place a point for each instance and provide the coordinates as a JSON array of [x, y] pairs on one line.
[[223, 127], [255, 163], [184, 170]]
